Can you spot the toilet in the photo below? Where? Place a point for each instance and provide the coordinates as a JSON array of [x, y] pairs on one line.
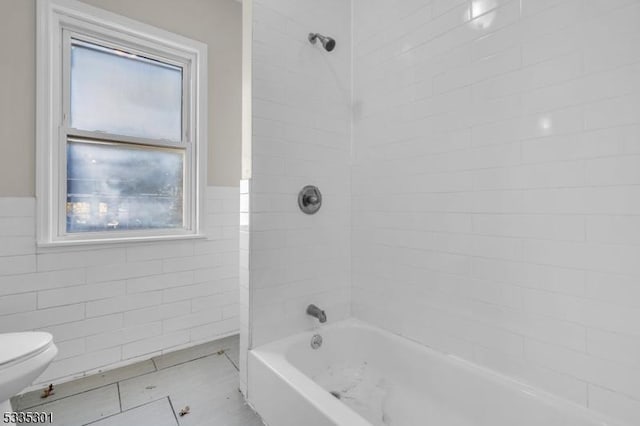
[[23, 357]]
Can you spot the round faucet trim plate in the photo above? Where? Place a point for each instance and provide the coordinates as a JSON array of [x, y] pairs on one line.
[[310, 199], [316, 341]]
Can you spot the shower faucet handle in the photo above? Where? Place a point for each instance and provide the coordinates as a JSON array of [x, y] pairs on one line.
[[310, 199]]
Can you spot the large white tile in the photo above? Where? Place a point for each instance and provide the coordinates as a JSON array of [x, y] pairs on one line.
[[29, 320], [157, 413], [83, 408], [204, 376], [79, 386], [17, 303], [85, 293]]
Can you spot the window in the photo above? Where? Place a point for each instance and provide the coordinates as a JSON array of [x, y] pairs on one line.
[[121, 128]]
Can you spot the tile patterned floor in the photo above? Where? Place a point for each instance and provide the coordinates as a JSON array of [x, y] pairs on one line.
[[153, 392]]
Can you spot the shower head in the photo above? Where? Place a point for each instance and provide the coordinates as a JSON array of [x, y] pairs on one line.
[[327, 42]]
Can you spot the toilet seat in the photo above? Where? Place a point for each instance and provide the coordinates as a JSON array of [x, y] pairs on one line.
[[18, 347]]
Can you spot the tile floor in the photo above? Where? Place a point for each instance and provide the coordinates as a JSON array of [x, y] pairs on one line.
[[153, 392]]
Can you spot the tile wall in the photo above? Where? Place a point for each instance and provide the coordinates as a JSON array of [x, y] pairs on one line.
[[112, 305], [496, 186], [301, 136]]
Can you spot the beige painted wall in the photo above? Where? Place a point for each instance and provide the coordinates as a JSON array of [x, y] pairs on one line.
[[218, 23]]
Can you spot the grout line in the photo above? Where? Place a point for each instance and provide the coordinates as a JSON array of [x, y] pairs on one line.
[[65, 397], [192, 359], [173, 410], [188, 361], [119, 396], [215, 352], [125, 411], [153, 360], [231, 361]]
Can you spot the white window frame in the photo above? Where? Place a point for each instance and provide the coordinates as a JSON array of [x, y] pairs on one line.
[[57, 22]]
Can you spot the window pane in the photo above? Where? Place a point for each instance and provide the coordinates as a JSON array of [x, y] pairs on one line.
[[113, 187], [116, 92]]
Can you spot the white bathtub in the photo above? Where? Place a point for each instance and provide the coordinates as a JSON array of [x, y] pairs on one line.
[[383, 379]]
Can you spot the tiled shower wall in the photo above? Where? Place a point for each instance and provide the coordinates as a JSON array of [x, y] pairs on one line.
[[301, 136], [112, 305], [496, 186]]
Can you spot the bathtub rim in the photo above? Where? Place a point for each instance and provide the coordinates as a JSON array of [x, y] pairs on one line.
[[335, 410], [273, 356]]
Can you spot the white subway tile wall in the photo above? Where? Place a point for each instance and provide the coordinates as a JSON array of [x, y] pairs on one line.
[[107, 306], [301, 136], [496, 186]]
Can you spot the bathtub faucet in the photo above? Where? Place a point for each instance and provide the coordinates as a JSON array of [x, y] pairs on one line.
[[314, 311]]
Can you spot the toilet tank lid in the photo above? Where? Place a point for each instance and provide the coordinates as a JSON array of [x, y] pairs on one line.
[[14, 346]]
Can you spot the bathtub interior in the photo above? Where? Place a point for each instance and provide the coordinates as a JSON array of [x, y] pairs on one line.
[[389, 380]]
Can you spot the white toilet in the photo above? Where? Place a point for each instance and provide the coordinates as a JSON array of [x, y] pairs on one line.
[[23, 357]]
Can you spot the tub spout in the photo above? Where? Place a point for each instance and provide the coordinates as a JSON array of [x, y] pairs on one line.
[[316, 312]]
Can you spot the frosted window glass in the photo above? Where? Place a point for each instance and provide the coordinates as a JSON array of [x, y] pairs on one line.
[[112, 187], [124, 94]]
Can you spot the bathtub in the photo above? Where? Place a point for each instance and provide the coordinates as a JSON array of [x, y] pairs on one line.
[[363, 376]]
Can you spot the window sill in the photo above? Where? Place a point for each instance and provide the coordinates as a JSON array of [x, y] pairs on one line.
[[119, 240]]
